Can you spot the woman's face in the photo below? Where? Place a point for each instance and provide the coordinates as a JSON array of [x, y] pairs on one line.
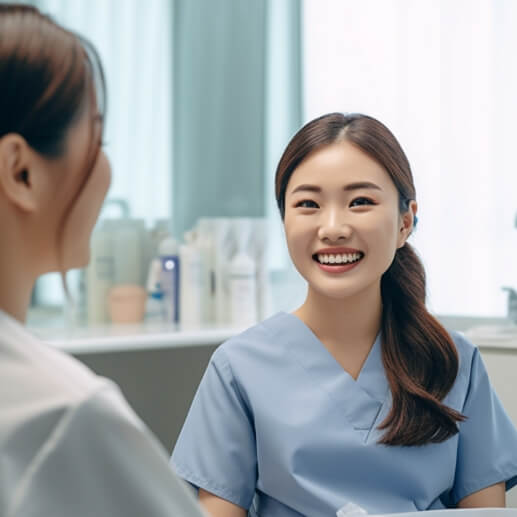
[[342, 221], [68, 172]]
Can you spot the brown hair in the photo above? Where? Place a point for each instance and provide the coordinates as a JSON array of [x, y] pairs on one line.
[[48, 77], [419, 356]]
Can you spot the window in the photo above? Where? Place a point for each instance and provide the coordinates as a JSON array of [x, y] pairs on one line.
[[443, 77], [134, 40]]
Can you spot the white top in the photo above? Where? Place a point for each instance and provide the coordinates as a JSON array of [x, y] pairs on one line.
[[70, 444]]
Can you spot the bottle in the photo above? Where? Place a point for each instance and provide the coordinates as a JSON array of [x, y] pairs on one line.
[[99, 275], [191, 282], [152, 239], [169, 278], [242, 282], [154, 307], [128, 246], [205, 243]]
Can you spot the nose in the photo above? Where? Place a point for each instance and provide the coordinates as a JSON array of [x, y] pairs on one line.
[[333, 226]]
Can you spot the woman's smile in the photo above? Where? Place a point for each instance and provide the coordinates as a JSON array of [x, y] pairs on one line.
[[337, 260]]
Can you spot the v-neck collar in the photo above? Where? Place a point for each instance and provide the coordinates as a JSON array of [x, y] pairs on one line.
[[361, 399]]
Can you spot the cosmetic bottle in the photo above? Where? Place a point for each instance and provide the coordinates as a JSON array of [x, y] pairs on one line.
[[99, 275], [154, 307], [242, 281], [191, 283], [205, 245], [152, 238], [223, 237], [170, 278]]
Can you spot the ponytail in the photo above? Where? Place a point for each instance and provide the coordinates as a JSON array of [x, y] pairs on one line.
[[419, 356]]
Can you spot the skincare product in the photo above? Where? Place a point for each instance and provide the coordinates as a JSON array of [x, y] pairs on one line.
[[154, 309], [99, 275], [169, 278], [242, 280], [205, 244], [220, 232], [191, 282], [127, 303], [258, 249], [128, 246]]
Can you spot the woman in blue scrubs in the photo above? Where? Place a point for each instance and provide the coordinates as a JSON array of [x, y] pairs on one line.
[[360, 395]]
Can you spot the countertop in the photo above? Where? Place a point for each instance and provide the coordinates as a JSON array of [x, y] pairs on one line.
[[496, 333], [114, 338]]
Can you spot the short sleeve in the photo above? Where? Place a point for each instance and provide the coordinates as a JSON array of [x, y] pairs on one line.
[[216, 448], [101, 460], [487, 443]]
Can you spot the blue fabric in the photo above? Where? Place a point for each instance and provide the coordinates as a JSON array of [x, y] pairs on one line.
[[277, 421]]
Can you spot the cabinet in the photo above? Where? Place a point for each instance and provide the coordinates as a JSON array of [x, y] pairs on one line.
[[501, 364]]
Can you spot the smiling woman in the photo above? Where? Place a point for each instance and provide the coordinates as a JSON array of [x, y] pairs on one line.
[[368, 201], [360, 395]]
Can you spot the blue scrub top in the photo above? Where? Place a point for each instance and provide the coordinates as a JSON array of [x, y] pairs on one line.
[[277, 426]]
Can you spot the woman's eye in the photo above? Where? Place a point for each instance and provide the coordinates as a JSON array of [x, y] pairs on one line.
[[307, 203], [361, 201]]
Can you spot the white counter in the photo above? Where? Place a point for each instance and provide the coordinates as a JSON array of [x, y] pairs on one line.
[[113, 338], [117, 338]]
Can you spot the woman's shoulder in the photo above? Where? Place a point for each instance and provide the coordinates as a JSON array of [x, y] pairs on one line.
[[42, 375], [467, 351], [468, 357], [261, 341]]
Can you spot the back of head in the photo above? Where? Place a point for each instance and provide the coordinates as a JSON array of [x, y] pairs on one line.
[[49, 78], [45, 73]]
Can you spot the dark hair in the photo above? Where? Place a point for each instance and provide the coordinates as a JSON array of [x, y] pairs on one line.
[[48, 77], [419, 356]]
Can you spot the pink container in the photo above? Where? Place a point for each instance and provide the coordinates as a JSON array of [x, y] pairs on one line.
[[127, 303]]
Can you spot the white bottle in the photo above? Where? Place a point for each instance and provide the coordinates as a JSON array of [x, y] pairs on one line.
[[242, 283], [154, 308], [206, 248], [128, 246], [99, 275], [191, 283]]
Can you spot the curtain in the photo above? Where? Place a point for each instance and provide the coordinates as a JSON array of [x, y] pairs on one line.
[[135, 44], [237, 99]]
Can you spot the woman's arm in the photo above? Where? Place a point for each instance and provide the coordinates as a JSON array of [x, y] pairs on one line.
[[218, 507], [493, 496]]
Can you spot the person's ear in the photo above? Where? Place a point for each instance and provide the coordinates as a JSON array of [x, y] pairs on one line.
[[407, 223], [16, 177]]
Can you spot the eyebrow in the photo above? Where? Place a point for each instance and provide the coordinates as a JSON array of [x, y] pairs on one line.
[[347, 188]]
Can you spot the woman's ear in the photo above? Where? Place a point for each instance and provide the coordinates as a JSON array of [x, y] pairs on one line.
[[16, 172], [407, 221]]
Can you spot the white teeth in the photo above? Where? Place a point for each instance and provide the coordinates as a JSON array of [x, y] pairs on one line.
[[345, 258]]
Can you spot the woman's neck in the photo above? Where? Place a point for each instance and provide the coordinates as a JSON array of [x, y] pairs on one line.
[[16, 281], [348, 322]]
